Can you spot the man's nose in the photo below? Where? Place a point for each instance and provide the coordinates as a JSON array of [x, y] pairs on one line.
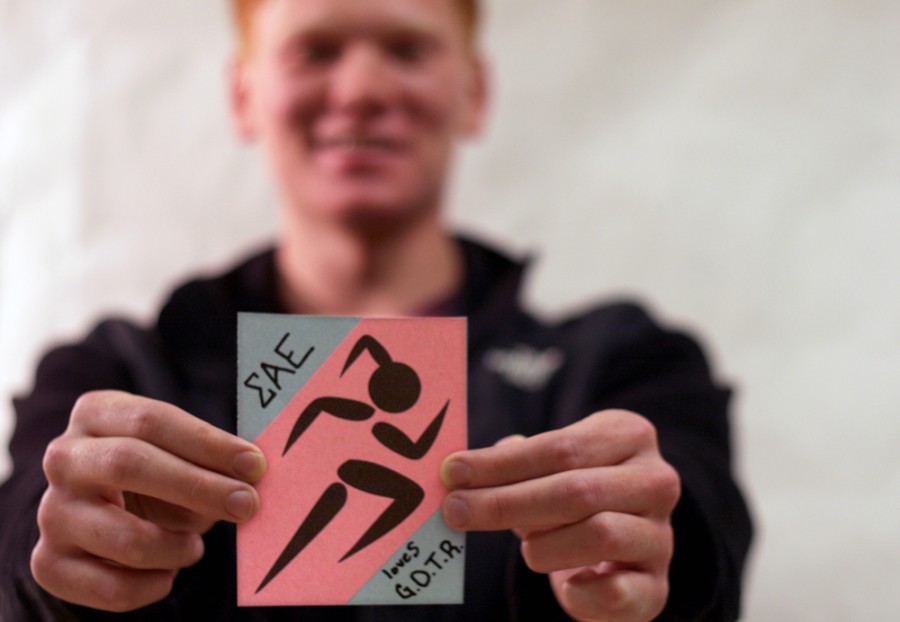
[[362, 81]]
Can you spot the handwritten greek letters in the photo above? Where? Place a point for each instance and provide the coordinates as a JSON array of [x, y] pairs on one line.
[[284, 361]]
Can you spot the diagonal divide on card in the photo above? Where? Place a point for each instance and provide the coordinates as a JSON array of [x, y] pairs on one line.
[[354, 416]]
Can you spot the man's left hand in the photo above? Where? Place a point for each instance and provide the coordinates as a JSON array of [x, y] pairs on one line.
[[591, 503]]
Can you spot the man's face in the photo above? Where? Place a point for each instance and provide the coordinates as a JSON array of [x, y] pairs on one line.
[[358, 104]]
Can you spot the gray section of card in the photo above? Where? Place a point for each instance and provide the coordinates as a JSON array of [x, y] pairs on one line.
[[444, 584], [258, 337]]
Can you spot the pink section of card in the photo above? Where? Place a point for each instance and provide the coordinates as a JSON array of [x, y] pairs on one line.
[[436, 350]]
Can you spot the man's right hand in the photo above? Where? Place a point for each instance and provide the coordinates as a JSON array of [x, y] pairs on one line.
[[133, 485]]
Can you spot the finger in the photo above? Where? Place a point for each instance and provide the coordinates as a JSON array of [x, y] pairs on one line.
[[167, 515], [554, 500], [95, 465], [118, 414], [512, 438], [611, 593], [107, 531], [608, 536], [605, 438], [94, 583], [71, 522]]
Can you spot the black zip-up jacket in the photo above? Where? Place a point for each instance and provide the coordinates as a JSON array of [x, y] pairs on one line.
[[525, 377]]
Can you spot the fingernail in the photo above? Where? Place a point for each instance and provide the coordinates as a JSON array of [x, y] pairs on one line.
[[456, 512], [512, 438], [249, 465], [199, 549], [240, 504], [456, 473]]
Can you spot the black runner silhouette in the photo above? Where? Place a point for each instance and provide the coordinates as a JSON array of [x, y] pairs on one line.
[[394, 387]]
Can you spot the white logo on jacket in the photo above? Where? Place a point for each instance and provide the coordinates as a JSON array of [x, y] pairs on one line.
[[524, 366]]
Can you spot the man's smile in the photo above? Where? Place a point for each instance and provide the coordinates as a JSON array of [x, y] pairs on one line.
[[355, 150]]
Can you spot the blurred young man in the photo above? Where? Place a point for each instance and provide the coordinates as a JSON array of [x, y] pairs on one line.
[[615, 457]]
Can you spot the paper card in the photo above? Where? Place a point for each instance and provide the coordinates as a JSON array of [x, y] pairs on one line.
[[355, 417]]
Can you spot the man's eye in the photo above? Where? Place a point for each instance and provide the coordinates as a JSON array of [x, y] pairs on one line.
[[319, 52], [408, 51]]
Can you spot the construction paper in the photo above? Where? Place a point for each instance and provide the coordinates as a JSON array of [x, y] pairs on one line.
[[355, 417]]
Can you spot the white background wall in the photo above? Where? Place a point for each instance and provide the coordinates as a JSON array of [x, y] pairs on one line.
[[734, 164]]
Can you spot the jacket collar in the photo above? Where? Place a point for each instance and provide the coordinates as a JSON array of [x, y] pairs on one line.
[[491, 289], [489, 296]]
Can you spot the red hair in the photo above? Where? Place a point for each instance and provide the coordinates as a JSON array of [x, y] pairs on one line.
[[244, 10]]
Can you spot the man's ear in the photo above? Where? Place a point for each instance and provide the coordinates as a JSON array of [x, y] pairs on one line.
[[241, 99], [479, 97]]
